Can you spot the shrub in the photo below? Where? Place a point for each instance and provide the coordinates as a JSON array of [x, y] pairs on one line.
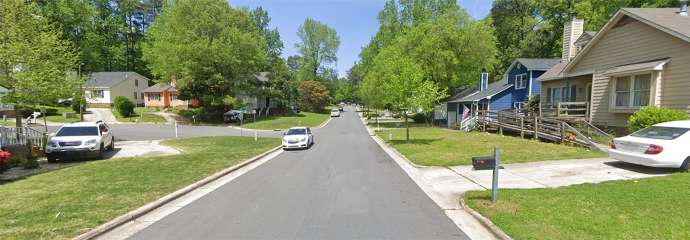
[[313, 96], [420, 117], [29, 162], [124, 106], [649, 116]]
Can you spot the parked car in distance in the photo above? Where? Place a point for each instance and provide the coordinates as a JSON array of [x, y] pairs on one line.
[[335, 113], [80, 139], [232, 116], [664, 145], [340, 107], [298, 138]]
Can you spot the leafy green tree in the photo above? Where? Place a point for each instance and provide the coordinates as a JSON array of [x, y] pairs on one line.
[[402, 83], [34, 61], [313, 96], [209, 47], [261, 20], [318, 47]]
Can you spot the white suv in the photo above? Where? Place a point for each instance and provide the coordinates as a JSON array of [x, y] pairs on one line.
[[81, 139]]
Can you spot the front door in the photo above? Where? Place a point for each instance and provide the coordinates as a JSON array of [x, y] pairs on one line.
[[588, 96]]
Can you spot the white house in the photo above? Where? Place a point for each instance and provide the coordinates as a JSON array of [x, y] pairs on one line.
[[103, 87]]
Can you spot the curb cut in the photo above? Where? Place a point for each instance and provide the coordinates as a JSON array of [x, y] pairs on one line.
[[495, 230], [118, 221]]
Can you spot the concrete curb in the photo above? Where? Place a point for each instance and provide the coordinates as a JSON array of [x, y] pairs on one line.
[[485, 221], [134, 214]]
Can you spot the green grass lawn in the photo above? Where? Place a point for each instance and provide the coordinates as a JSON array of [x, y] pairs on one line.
[[7, 123], [306, 119], [59, 118], [443, 147], [65, 203], [140, 115], [655, 208]]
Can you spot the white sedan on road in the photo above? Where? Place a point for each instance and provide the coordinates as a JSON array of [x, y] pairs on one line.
[[335, 113], [298, 138], [665, 145]]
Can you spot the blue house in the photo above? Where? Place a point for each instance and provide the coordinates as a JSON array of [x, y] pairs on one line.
[[519, 83]]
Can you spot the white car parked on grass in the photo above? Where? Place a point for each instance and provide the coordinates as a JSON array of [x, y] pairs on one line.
[[665, 145], [298, 138], [81, 139]]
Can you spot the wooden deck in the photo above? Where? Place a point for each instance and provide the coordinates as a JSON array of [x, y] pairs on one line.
[[538, 128]]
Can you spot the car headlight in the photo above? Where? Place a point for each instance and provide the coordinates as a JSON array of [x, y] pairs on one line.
[[52, 143], [91, 142], [303, 139]]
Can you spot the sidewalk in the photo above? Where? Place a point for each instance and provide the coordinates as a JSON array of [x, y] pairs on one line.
[[445, 186]]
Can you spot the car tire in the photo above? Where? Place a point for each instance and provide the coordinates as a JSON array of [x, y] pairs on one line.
[[685, 167], [112, 145], [51, 159]]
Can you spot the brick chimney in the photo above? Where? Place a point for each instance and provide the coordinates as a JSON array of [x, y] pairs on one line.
[[173, 82], [571, 32]]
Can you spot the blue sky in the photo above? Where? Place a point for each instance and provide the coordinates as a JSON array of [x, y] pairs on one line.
[[354, 20]]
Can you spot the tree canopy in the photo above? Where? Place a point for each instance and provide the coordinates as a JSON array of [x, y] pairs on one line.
[[318, 48], [209, 47], [35, 63]]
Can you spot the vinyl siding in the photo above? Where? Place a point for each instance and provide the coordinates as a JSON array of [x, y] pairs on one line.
[[502, 101], [632, 43]]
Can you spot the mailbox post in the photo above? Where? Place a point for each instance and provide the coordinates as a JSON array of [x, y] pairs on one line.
[[494, 181]]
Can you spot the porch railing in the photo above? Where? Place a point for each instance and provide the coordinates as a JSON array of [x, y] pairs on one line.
[[10, 136]]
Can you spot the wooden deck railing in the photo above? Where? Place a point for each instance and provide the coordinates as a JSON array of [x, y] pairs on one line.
[[551, 129]]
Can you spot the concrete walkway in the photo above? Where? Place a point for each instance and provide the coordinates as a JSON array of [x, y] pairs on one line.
[[445, 186]]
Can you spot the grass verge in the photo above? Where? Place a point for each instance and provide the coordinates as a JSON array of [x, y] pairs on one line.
[[306, 119], [652, 208], [443, 147], [65, 203], [140, 115]]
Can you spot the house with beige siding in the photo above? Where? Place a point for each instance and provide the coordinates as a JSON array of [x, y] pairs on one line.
[[641, 57], [103, 87]]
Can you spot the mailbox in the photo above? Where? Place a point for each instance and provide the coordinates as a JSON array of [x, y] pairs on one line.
[[483, 163]]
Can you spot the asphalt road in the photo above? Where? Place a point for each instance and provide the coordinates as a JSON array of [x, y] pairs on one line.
[[142, 132], [345, 187]]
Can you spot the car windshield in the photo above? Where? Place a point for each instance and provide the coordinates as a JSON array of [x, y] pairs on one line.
[[77, 131], [335, 110], [664, 133], [297, 131]]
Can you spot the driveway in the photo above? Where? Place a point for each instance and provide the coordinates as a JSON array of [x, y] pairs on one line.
[[99, 114], [144, 132], [345, 187]]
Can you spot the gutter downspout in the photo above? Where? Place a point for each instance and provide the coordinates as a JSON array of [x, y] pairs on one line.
[[529, 92]]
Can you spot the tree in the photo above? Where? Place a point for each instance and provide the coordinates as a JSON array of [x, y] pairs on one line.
[[318, 47], [261, 20], [209, 47], [402, 84], [34, 61], [313, 96]]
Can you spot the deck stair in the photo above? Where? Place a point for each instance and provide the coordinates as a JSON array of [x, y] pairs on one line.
[[544, 128]]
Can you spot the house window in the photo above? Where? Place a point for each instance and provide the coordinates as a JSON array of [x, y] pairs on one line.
[[136, 95], [173, 97], [632, 91], [136, 83], [521, 81], [154, 96], [142, 96], [97, 94]]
